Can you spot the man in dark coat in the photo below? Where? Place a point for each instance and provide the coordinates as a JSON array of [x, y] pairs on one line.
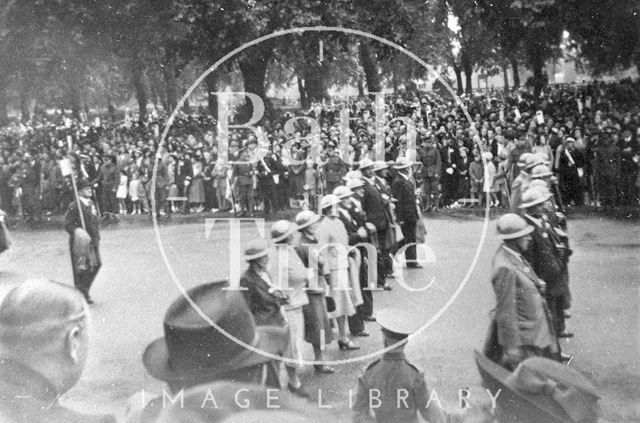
[[450, 156], [406, 209], [374, 206], [548, 255], [84, 273], [108, 181], [42, 362]]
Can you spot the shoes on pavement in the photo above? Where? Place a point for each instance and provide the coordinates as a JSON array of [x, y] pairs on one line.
[[369, 319], [347, 345], [363, 333], [324, 369], [565, 334], [567, 314], [565, 357], [89, 300], [300, 391], [387, 288]]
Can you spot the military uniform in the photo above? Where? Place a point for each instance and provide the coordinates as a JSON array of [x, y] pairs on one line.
[[83, 279], [430, 158], [243, 179], [392, 389]]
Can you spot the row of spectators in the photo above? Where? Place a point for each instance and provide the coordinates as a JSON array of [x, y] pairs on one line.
[[590, 133]]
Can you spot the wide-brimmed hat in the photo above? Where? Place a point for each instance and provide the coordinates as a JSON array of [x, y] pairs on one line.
[[342, 192], [534, 196], [328, 201], [365, 163], [257, 248], [380, 165], [192, 350], [239, 402], [402, 163], [522, 160], [281, 230], [541, 171], [533, 161], [539, 390], [512, 226], [352, 174], [354, 184], [306, 218]]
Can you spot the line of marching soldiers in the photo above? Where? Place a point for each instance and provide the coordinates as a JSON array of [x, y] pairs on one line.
[[535, 197]]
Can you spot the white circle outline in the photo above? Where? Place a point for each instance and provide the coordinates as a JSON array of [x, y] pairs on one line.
[[165, 132]]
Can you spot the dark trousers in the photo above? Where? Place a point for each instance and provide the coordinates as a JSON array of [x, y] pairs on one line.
[[556, 308], [268, 197], [409, 233], [384, 267], [83, 280], [364, 310]]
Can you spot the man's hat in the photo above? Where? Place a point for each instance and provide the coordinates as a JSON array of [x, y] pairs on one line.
[[522, 161], [342, 192], [539, 390], [534, 196], [380, 165], [328, 201], [192, 350], [281, 230], [512, 226], [354, 183], [397, 323], [365, 163], [533, 161], [306, 218], [352, 174], [541, 171], [227, 401], [257, 248], [402, 163], [84, 183]]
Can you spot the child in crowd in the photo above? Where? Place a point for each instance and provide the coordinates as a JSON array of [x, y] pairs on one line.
[[476, 173], [134, 193], [489, 178], [501, 184], [121, 193]]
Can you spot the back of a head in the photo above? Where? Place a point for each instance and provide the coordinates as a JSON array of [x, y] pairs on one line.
[[34, 315]]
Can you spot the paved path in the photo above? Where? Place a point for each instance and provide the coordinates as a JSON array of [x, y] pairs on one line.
[[134, 289]]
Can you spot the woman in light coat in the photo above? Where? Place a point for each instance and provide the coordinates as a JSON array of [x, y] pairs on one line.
[[334, 241]]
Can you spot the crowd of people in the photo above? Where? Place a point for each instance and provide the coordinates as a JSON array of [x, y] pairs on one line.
[[361, 218], [590, 134], [310, 277]]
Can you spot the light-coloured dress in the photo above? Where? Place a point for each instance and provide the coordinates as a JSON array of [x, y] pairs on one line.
[[334, 241]]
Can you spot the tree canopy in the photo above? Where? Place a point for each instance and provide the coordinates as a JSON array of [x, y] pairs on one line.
[[100, 54]]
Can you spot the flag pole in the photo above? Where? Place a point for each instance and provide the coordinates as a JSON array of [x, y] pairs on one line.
[[75, 192]]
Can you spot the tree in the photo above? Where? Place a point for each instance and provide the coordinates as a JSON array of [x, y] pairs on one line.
[[606, 32]]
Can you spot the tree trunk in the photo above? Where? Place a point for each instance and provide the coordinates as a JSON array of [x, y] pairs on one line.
[[304, 100], [535, 55], [25, 98], [111, 108], [171, 91], [458, 72], [211, 82], [514, 70], [468, 72], [254, 71], [315, 83], [139, 83], [505, 77], [369, 63], [4, 101]]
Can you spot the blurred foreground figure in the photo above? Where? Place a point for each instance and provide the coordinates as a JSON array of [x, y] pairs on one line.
[[44, 342], [243, 403], [392, 389], [540, 391]]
